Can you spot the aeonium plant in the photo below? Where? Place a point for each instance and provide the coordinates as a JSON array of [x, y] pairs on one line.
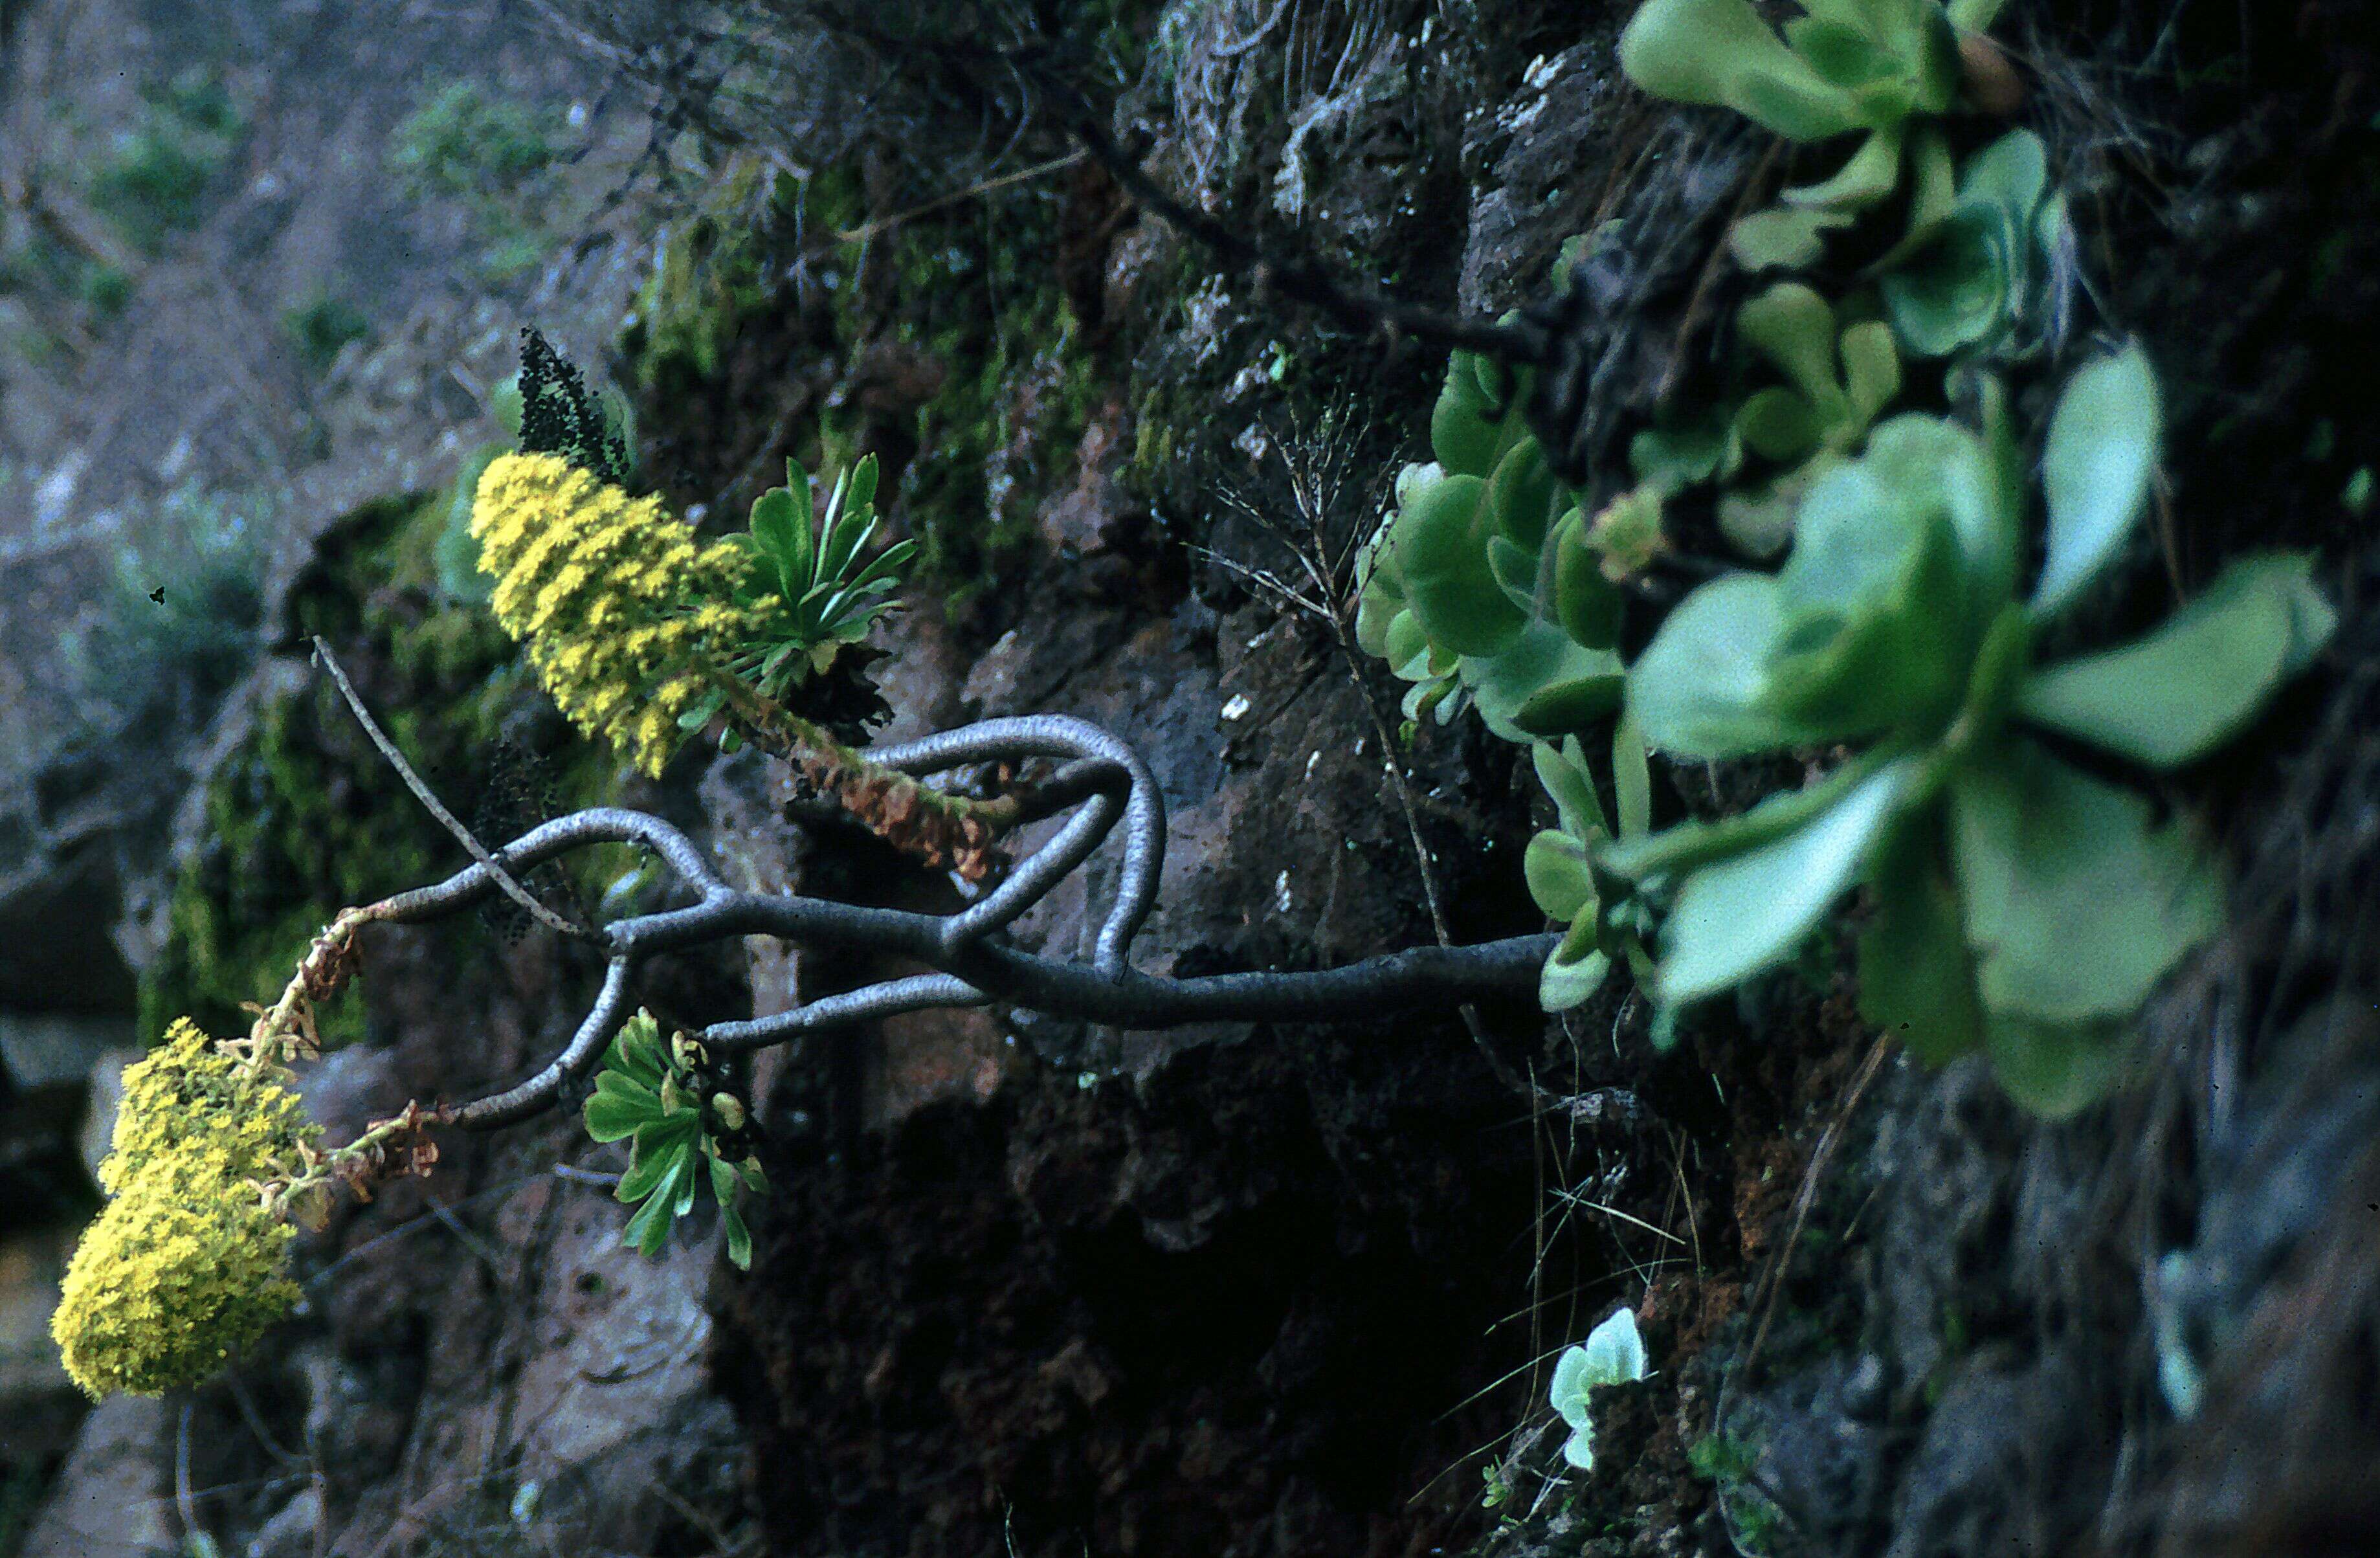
[[813, 593], [2023, 905], [1479, 589], [1606, 923], [686, 1129], [1880, 69]]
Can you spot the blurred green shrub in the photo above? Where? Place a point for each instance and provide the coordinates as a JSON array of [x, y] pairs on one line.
[[176, 624], [155, 170], [322, 326], [466, 143]]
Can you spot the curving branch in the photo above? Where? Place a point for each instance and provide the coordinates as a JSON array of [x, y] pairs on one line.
[[1102, 780]]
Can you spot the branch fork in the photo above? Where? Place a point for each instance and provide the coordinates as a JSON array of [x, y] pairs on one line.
[[1106, 787]]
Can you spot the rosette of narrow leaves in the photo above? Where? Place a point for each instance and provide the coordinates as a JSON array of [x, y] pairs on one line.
[[1978, 274], [1480, 588], [684, 1134], [1606, 922], [2024, 906], [814, 590]]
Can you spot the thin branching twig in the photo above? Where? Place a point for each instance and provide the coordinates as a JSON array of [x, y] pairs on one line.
[[505, 881]]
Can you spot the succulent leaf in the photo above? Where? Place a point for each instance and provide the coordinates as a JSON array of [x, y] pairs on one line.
[[2184, 689], [2096, 469]]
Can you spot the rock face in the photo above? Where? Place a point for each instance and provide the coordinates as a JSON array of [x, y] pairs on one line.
[[379, 1410], [118, 1489]]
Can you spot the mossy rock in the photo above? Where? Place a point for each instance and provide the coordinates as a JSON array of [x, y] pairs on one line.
[[304, 817]]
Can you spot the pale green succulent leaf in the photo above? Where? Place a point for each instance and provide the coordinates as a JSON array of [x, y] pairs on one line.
[[1442, 546], [1743, 665], [1376, 611], [1572, 705], [1871, 370], [2175, 695], [1541, 659], [1632, 779], [1935, 464], [1954, 289], [2096, 468], [1701, 687], [1562, 771], [1612, 1354], [1567, 1392], [2058, 1070], [2077, 902], [1933, 179], [1560, 879], [1793, 327], [1875, 606], [1871, 175], [1720, 53], [2011, 175], [1565, 982], [1585, 602], [1404, 644], [1525, 495], [1516, 570], [1917, 975], [1466, 426], [1785, 238], [1615, 1351], [1842, 52], [1740, 916]]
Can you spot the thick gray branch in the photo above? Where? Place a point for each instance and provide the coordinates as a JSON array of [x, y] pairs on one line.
[[1106, 781], [1062, 735], [603, 1020]]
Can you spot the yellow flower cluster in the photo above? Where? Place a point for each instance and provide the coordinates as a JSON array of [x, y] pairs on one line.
[[617, 602], [184, 1267]]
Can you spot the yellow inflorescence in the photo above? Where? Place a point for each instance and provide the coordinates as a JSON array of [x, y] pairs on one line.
[[617, 602], [184, 1267], [187, 1091]]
